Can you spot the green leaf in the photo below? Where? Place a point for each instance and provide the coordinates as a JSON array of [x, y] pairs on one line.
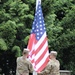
[[3, 45]]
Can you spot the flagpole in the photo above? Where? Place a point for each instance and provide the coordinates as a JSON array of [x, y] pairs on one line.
[[37, 1]]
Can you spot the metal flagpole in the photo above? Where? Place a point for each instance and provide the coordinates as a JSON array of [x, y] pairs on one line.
[[37, 3], [35, 73]]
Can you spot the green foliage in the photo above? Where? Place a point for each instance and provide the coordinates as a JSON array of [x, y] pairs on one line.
[[60, 26], [3, 45], [15, 21], [26, 39], [53, 31], [7, 32], [17, 51]]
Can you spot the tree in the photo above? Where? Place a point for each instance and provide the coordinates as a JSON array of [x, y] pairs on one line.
[[61, 31]]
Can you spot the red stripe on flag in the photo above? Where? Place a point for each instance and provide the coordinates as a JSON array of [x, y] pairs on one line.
[[31, 53], [32, 61], [31, 41]]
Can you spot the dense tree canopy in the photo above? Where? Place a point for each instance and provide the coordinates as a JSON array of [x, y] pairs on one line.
[[16, 17]]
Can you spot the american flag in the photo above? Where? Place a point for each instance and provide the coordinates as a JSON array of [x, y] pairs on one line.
[[38, 45]]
